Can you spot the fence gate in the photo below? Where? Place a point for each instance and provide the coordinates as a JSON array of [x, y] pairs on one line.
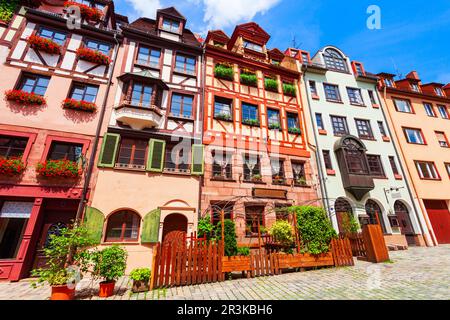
[[342, 252], [197, 262]]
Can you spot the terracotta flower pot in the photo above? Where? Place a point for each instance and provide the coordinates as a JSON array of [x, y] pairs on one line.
[[140, 286], [62, 293], [106, 289]]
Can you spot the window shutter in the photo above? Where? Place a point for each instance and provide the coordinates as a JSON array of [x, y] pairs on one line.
[[109, 149], [93, 222], [156, 150], [197, 159], [150, 227]]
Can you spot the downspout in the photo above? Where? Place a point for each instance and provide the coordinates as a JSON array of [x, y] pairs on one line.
[[90, 168], [416, 211], [323, 189], [202, 107]]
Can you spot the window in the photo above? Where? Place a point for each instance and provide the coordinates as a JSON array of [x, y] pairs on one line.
[[414, 136], [359, 70], [273, 116], [148, 56], [99, 46], [141, 95], [171, 25], [372, 97], [298, 172], [332, 92], [12, 147], [313, 88], [393, 165], [439, 92], [181, 105], [340, 127], [217, 209], [355, 157], [403, 106], [177, 158], [427, 170], [443, 142], [429, 109], [443, 112], [223, 108], [252, 46], [447, 166], [277, 166], [65, 151], [123, 226], [132, 153], [382, 129], [185, 64], [83, 92], [375, 165], [13, 221], [252, 167], [389, 83], [292, 121], [327, 159], [222, 164], [415, 87], [334, 60], [364, 129], [249, 112], [276, 62], [319, 121], [254, 217], [34, 84], [354, 96], [55, 36], [305, 58]]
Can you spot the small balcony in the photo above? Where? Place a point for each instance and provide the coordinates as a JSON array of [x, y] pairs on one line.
[[139, 117]]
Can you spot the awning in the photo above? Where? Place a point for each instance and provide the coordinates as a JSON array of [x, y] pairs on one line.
[[16, 209]]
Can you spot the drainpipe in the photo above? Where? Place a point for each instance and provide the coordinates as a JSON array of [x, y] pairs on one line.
[[202, 107], [90, 168], [323, 189], [416, 211]]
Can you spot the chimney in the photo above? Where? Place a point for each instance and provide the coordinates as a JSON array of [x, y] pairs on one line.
[[413, 75]]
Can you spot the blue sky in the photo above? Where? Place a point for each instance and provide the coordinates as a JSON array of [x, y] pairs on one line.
[[413, 36]]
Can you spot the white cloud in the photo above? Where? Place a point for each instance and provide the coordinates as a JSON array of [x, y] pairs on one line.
[[224, 13], [145, 8]]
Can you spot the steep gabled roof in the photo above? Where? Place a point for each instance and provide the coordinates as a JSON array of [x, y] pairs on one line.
[[171, 11]]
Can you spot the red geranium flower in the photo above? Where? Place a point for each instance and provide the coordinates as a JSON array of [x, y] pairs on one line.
[[87, 12], [43, 44], [58, 168], [24, 97], [93, 56], [11, 167], [79, 105]]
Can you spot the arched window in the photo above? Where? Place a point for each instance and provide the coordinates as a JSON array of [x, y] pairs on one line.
[[373, 210], [355, 157], [123, 226], [343, 211], [334, 60]]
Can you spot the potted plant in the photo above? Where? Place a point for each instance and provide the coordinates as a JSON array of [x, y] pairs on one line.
[[224, 71], [301, 181], [141, 279], [263, 230], [289, 89], [294, 130], [251, 122], [271, 84], [248, 229], [256, 178], [58, 169], [67, 257], [223, 116], [11, 167], [109, 265], [249, 78], [274, 126], [24, 97], [278, 180]]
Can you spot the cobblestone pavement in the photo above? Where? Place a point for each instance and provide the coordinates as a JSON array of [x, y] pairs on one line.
[[418, 273]]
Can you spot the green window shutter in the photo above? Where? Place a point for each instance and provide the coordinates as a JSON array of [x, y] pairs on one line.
[[150, 227], [93, 222], [156, 150], [109, 149], [198, 166]]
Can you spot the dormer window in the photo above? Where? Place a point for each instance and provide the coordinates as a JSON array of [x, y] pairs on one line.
[[359, 70], [171, 25], [305, 57], [388, 82], [252, 46], [218, 44], [415, 87], [335, 61], [276, 62], [439, 92]]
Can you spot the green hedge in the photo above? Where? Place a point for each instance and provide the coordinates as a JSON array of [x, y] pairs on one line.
[[7, 9]]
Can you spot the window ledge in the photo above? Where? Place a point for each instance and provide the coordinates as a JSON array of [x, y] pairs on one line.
[[331, 172], [172, 116], [254, 182], [187, 74], [226, 120], [386, 139], [176, 172], [126, 168], [222, 179], [375, 106], [323, 132], [315, 97], [398, 177], [358, 105], [335, 101]]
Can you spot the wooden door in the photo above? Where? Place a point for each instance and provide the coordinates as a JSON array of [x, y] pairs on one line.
[[439, 215]]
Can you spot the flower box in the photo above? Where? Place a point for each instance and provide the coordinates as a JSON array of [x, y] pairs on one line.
[[87, 12], [251, 122], [289, 89], [24, 97], [43, 44], [58, 169], [271, 84], [275, 126], [79, 105], [93, 56], [224, 71], [296, 131], [11, 167], [249, 78], [223, 116]]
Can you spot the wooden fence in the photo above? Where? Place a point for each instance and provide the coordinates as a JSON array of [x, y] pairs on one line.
[[356, 243], [342, 252]]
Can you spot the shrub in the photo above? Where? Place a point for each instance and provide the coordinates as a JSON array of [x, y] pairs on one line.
[[349, 223], [141, 274], [289, 89], [271, 84], [110, 263], [79, 105], [93, 56], [205, 227], [243, 251], [224, 71], [230, 245], [283, 232], [11, 167], [7, 8], [44, 44], [58, 168], [315, 229], [249, 78], [67, 247], [24, 97]]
